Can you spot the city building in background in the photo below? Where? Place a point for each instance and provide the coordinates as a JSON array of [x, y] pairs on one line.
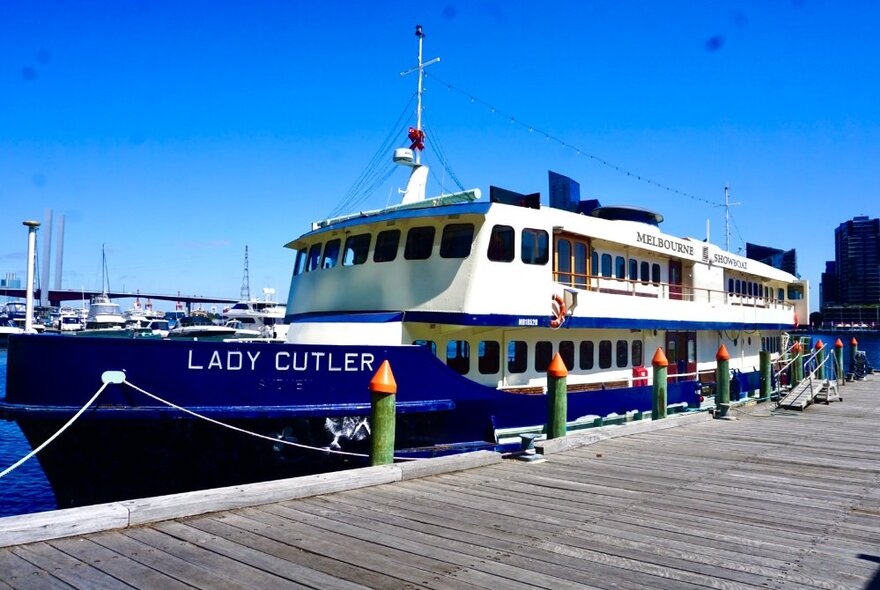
[[782, 259], [850, 291]]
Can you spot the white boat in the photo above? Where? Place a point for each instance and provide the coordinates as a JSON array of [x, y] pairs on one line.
[[200, 327], [258, 318], [104, 314], [70, 320]]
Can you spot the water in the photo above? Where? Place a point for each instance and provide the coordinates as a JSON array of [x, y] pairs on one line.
[[26, 489]]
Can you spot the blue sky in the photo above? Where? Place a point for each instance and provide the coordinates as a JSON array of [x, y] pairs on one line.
[[177, 133]]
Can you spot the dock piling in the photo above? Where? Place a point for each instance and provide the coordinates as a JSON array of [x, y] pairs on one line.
[[722, 380], [766, 385], [661, 365], [383, 417], [557, 397], [838, 362]]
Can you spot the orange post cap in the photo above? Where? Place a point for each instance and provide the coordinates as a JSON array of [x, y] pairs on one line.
[[854, 342], [383, 381], [796, 347], [557, 367], [838, 343], [659, 359], [819, 345], [722, 354]]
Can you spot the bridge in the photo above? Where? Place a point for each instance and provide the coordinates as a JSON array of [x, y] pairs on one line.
[[56, 296]]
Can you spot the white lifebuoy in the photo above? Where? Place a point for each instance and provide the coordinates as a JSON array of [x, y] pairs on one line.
[[559, 311]]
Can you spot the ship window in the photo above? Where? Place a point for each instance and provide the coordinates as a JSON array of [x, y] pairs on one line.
[[563, 261], [314, 256], [517, 356], [620, 267], [594, 263], [299, 266], [457, 239], [587, 353], [356, 249], [655, 274], [543, 355], [730, 286], [386, 245], [780, 294], [489, 359], [430, 344], [580, 264], [604, 354], [501, 244], [566, 351], [535, 246], [622, 353], [419, 243], [633, 269], [458, 356], [606, 265], [331, 253], [645, 269], [636, 351]]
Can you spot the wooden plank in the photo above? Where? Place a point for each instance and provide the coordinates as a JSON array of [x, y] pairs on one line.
[[24, 575], [117, 565], [450, 463], [308, 577], [66, 568], [41, 526]]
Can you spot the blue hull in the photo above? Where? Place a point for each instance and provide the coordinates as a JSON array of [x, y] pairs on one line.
[[272, 389]]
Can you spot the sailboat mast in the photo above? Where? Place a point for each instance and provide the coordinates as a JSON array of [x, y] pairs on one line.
[[421, 35]]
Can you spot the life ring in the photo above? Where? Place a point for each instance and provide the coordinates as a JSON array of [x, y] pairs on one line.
[[559, 310]]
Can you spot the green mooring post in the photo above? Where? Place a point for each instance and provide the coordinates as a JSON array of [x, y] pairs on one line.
[[722, 383], [797, 365], [660, 364], [383, 416], [765, 376], [557, 397], [820, 358], [838, 361], [853, 348]]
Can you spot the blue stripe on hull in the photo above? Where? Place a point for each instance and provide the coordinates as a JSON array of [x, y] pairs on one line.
[[506, 321]]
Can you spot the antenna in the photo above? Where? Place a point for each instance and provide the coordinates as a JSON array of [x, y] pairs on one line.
[[245, 280], [420, 68], [727, 205]]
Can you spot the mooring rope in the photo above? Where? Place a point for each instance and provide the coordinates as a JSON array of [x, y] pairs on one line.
[[243, 431], [57, 434]]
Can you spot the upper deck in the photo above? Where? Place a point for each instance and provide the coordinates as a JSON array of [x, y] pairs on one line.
[[497, 264]]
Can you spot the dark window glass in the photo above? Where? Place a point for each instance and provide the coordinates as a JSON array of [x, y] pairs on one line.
[[458, 356], [543, 355], [427, 344], [633, 269], [501, 244], [730, 285], [517, 356], [737, 287], [622, 353], [386, 245], [419, 243], [566, 351], [314, 256], [587, 354], [563, 261], [457, 240], [299, 266], [604, 354], [489, 359], [655, 274], [594, 263], [606, 265], [356, 249], [636, 352], [645, 272], [780, 295], [331, 253], [535, 246], [580, 264], [620, 267]]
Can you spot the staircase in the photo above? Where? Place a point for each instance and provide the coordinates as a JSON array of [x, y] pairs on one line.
[[799, 397]]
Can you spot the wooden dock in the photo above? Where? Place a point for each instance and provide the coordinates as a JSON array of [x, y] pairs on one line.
[[775, 499]]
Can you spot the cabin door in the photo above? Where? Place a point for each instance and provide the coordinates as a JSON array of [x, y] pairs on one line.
[[681, 352], [675, 279]]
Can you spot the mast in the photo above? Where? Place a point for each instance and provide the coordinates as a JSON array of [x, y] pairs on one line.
[[420, 68]]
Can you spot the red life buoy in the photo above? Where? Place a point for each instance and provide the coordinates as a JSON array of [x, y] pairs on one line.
[[559, 310]]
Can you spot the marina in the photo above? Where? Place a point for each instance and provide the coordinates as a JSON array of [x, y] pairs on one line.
[[775, 499]]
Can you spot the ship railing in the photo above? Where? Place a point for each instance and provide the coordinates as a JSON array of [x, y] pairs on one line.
[[661, 290]]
